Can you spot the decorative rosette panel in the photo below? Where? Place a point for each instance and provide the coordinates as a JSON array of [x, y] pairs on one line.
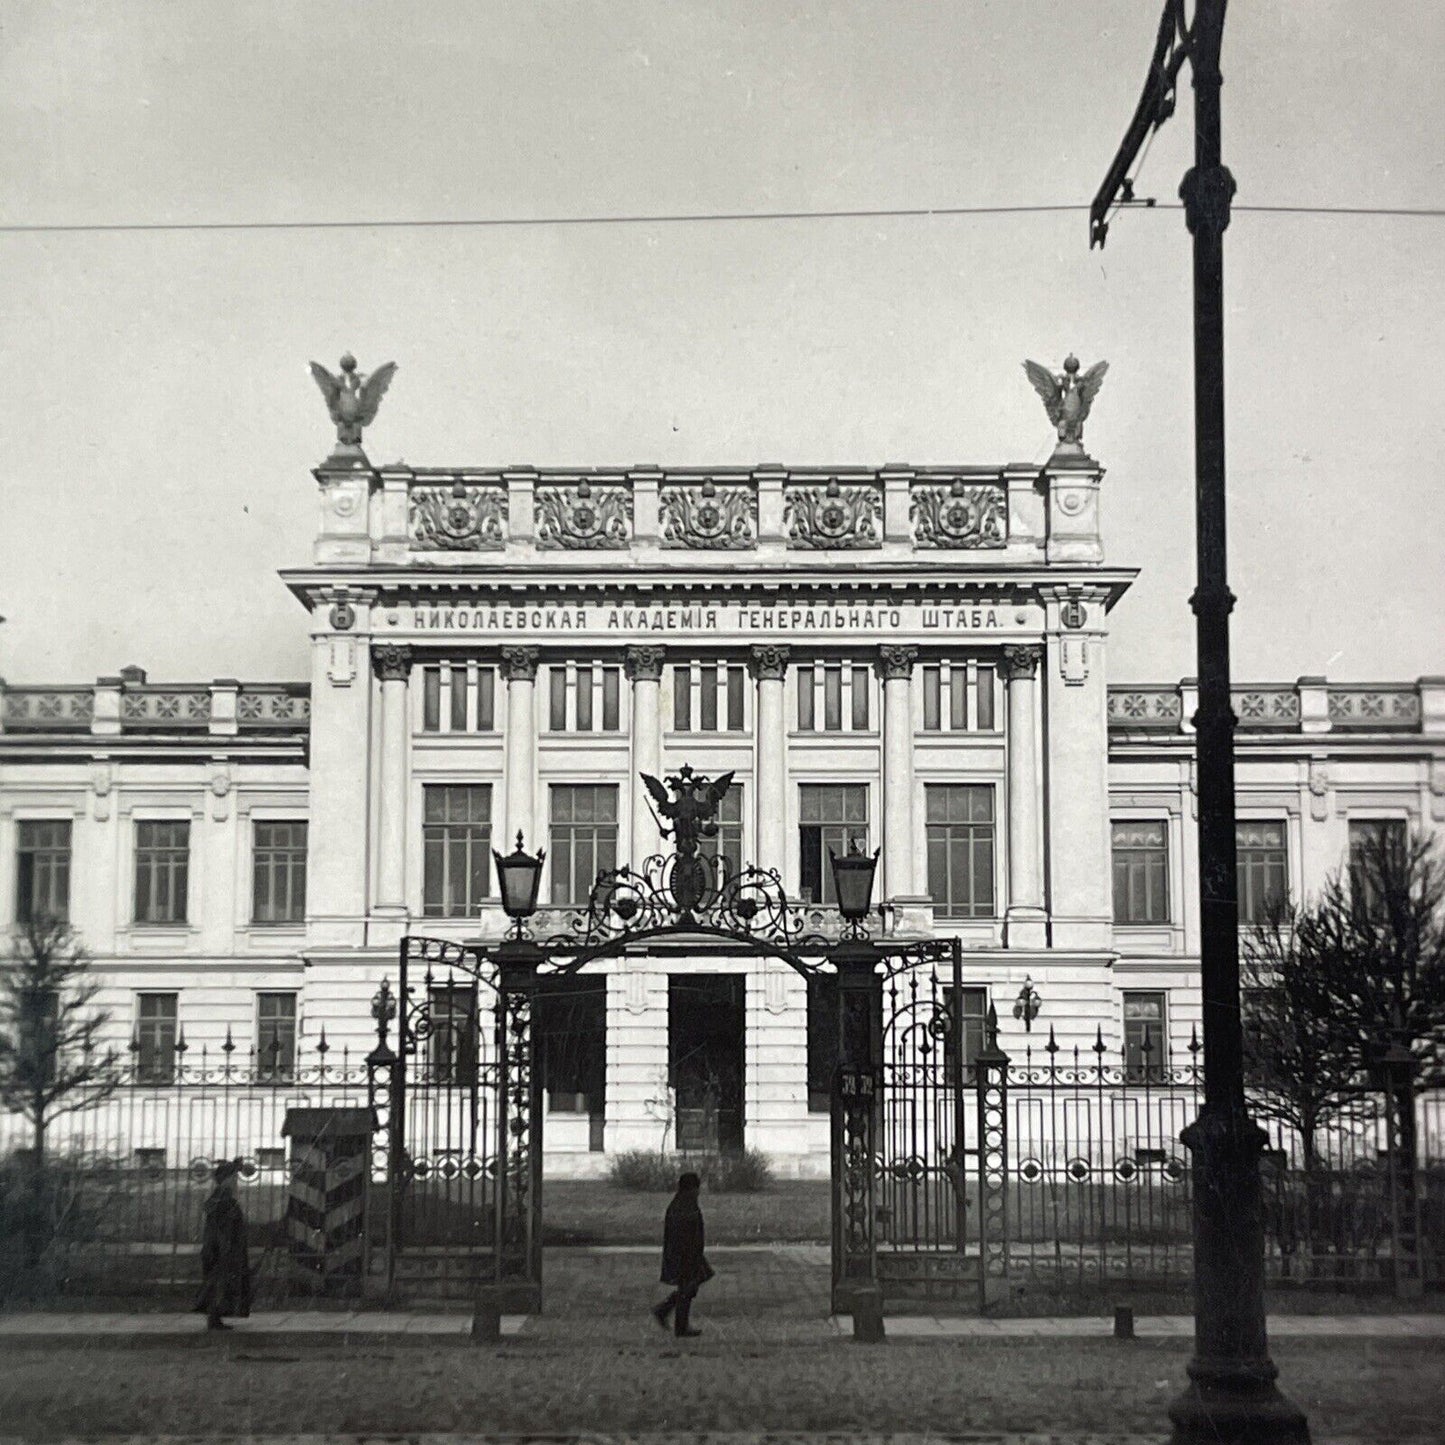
[[583, 517], [458, 518], [838, 515], [959, 514], [708, 515]]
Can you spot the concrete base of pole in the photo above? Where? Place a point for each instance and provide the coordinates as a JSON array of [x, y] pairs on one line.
[[1123, 1322], [868, 1315], [487, 1319], [1239, 1411]]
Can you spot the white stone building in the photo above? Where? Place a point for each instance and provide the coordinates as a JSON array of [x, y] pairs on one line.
[[911, 658]]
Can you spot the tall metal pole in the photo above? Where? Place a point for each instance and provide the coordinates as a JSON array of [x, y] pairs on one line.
[[1231, 1394]]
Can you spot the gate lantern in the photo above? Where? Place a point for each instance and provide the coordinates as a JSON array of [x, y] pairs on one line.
[[853, 883], [519, 877]]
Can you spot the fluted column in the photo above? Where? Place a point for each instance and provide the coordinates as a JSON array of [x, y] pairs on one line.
[[895, 667], [392, 664], [768, 664], [643, 666], [1025, 917], [519, 668]]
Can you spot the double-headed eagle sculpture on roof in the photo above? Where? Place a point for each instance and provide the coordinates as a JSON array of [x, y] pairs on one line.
[[1067, 397], [353, 397]]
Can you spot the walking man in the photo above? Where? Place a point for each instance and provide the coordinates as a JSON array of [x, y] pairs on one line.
[[683, 1264], [225, 1260]]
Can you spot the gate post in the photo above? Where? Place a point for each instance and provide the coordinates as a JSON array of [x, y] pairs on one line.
[[1396, 1070], [856, 1101], [381, 1065], [517, 1276], [993, 1171]]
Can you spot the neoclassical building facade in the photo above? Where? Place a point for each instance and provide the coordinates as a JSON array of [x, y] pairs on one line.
[[909, 659]]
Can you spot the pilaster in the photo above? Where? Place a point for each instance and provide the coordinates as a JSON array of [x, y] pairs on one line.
[[519, 668], [338, 862], [643, 666], [768, 664], [1024, 921]]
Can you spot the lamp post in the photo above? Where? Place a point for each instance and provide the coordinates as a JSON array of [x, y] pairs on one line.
[[519, 880], [855, 1112]]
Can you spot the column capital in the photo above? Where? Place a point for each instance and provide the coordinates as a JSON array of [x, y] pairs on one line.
[[1020, 660], [643, 663], [391, 661], [895, 662], [768, 661], [519, 664]]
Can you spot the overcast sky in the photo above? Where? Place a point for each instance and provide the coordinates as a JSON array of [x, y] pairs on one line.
[[158, 423]]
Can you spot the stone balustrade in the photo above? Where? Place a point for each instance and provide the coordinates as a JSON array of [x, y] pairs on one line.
[[1310, 705], [1016, 513], [129, 705]]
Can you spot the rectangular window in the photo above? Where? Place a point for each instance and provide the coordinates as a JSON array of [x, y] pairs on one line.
[[805, 699], [456, 848], [860, 699], [932, 684], [682, 699], [707, 697], [974, 1010], [457, 689], [486, 700], [1141, 872], [1146, 1038], [162, 863], [452, 1051], [822, 1040], [985, 722], [960, 826], [1367, 838], [611, 699], [276, 1035], [832, 816], [727, 846], [584, 699], [736, 683], [832, 699], [278, 872], [583, 839], [958, 697], [42, 867], [1263, 875], [431, 699], [557, 701], [156, 1021]]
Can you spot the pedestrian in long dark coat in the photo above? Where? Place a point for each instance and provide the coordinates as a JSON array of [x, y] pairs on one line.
[[684, 1265], [225, 1259]]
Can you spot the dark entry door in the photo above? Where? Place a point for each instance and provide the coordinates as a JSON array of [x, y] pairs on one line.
[[705, 1050]]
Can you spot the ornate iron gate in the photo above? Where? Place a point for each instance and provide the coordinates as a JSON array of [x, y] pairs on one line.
[[941, 1152], [438, 1099]]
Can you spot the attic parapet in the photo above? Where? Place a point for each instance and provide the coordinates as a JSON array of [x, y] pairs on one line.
[[121, 706], [458, 516]]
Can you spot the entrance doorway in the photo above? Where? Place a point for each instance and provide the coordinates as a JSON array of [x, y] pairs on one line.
[[705, 1052]]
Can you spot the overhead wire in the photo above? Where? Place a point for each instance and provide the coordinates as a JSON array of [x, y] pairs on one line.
[[669, 219]]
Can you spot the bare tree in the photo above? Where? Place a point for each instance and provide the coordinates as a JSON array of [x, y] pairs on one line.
[[1376, 939], [1303, 1067], [51, 1062]]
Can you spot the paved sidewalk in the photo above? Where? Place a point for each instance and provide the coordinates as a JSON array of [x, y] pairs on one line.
[[738, 1437], [44, 1325]]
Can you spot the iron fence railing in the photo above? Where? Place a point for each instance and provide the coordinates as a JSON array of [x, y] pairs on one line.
[[1092, 1185]]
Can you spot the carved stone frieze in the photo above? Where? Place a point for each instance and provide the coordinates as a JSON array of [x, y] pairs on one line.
[[1019, 660], [1374, 707], [1319, 786], [895, 662], [959, 514], [708, 515], [48, 709], [582, 517], [768, 661], [519, 664], [460, 518], [643, 663], [391, 661], [838, 515]]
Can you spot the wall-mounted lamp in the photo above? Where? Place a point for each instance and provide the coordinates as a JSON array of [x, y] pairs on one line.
[[1028, 1004]]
